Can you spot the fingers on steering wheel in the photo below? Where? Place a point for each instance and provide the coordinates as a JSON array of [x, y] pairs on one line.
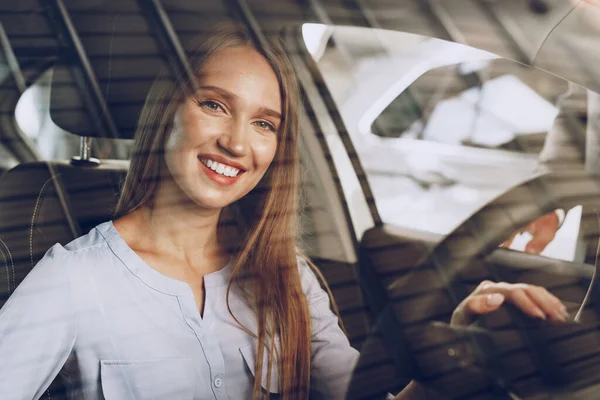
[[484, 303], [550, 304], [533, 300], [520, 297]]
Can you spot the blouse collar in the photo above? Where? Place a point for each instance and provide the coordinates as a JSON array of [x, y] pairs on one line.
[[151, 277]]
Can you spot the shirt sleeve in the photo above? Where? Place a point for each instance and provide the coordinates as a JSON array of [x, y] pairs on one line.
[[332, 357], [38, 326]]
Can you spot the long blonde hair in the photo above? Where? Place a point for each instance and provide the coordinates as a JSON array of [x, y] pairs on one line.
[[268, 250]]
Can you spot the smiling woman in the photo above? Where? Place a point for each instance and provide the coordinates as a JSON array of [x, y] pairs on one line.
[[163, 303], [232, 120]]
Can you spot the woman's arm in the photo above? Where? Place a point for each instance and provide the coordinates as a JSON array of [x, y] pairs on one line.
[[38, 326], [332, 357]]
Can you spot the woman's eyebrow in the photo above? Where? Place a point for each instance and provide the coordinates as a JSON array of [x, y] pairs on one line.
[[269, 112], [222, 92], [231, 96]]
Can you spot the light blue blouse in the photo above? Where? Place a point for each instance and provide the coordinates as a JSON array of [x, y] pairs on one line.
[[118, 329]]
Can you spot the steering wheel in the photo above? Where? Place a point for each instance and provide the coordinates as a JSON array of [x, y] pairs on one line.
[[505, 354]]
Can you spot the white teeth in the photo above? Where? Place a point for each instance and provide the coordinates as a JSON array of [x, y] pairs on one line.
[[221, 169]]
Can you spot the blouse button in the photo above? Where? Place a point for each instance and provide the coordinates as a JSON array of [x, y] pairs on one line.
[[218, 382]]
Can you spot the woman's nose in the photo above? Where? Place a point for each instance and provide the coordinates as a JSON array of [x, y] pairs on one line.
[[235, 139]]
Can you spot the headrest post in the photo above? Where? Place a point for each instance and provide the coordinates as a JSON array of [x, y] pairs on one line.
[[85, 148], [85, 154]]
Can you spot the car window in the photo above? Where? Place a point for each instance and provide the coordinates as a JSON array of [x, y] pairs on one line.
[[482, 105], [440, 128]]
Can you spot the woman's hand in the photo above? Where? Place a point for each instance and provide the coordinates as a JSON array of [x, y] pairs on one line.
[[533, 300]]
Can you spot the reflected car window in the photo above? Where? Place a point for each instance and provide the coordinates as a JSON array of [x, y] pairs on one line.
[[441, 129]]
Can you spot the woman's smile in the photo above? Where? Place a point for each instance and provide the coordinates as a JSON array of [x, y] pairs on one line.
[[220, 170]]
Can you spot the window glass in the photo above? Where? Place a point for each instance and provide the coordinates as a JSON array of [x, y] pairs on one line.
[[440, 128], [500, 104]]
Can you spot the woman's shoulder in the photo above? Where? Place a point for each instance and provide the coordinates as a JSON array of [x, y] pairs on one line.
[[98, 237], [54, 289], [90, 246], [311, 283], [307, 276], [61, 265]]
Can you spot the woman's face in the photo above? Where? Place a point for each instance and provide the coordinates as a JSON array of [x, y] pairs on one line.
[[224, 137]]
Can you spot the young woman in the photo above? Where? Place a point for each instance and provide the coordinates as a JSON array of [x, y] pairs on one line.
[[163, 303]]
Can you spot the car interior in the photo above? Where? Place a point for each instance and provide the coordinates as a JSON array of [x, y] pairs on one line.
[[394, 279]]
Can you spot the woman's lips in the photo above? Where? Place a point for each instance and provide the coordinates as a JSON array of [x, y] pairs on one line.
[[218, 178]]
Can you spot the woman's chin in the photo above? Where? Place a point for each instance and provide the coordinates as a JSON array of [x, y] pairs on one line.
[[213, 202]]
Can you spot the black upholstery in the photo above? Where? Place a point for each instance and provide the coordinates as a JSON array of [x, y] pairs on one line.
[[343, 281], [387, 254]]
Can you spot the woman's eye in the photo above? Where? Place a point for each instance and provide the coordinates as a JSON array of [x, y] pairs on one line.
[[266, 125], [211, 105]]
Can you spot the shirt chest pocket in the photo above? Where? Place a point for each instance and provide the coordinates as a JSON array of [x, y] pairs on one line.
[[249, 355], [151, 379]]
